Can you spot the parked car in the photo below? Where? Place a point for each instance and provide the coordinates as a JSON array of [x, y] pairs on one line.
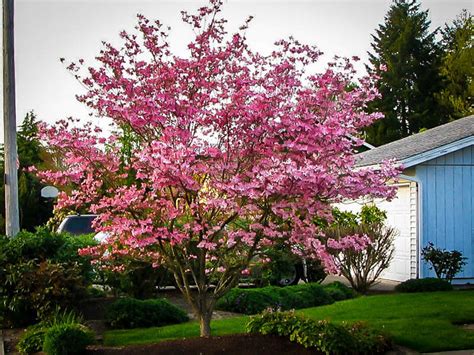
[[77, 224]]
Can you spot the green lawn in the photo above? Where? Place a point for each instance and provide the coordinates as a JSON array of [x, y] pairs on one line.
[[422, 321]]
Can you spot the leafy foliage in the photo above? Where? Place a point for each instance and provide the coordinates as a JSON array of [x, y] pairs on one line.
[[424, 285], [252, 301], [446, 264], [34, 210], [133, 313], [363, 267], [322, 335], [457, 95], [41, 271], [66, 338], [407, 58], [32, 340]]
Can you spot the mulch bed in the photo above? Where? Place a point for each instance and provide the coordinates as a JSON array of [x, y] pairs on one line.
[[230, 345]]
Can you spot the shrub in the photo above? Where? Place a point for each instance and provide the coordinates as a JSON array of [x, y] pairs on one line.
[[323, 336], [363, 268], [31, 341], [338, 291], [252, 301], [424, 285], [133, 313], [446, 264], [41, 271], [63, 339]]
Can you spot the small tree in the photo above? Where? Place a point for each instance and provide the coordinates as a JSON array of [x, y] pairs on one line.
[[446, 264], [229, 151], [362, 264]]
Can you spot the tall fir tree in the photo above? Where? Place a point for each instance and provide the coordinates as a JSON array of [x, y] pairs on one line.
[[407, 58], [34, 210], [457, 68]]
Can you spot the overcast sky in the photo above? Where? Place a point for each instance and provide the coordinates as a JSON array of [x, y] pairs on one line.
[[48, 30]]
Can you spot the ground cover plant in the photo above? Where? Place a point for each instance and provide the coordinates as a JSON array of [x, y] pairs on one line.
[[321, 335], [425, 322], [216, 154]]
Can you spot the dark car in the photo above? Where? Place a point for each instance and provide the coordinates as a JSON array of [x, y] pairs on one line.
[[77, 224]]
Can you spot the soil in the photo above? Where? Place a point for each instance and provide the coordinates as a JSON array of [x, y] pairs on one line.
[[229, 345]]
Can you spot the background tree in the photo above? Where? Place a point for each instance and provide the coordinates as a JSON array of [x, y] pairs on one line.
[[34, 210], [457, 67], [232, 151], [406, 57]]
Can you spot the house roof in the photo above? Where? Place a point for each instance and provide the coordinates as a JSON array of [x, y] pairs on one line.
[[423, 146]]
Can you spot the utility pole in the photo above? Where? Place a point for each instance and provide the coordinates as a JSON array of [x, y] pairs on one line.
[[12, 219]]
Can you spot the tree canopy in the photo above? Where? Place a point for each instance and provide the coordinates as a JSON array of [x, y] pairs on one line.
[[232, 151], [407, 59]]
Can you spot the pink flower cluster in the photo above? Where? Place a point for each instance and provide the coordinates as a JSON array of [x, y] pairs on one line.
[[218, 153]]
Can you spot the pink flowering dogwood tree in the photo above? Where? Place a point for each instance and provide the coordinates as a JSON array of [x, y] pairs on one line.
[[217, 154]]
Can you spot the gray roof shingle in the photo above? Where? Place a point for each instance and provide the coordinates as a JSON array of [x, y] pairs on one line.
[[419, 143]]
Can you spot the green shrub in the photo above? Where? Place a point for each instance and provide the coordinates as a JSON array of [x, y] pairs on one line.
[[41, 271], [252, 301], [323, 336], [338, 291], [446, 264], [133, 313], [31, 341], [63, 339], [424, 285]]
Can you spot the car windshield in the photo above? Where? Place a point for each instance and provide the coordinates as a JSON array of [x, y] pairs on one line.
[[79, 225]]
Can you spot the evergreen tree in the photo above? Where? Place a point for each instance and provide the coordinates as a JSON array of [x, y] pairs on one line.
[[407, 59], [457, 68], [34, 210]]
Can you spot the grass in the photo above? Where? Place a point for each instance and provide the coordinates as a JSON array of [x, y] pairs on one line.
[[421, 321]]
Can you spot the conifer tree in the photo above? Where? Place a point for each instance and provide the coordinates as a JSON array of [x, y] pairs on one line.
[[407, 59], [457, 68]]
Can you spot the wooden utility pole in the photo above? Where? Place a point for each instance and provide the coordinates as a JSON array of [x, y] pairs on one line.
[[12, 220]]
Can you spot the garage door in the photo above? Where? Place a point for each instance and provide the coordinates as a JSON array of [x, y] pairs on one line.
[[398, 216], [398, 211]]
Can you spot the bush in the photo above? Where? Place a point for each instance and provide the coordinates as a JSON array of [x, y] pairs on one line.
[[63, 339], [252, 301], [338, 291], [41, 271], [323, 336], [31, 341], [446, 264], [363, 268], [424, 285], [133, 313]]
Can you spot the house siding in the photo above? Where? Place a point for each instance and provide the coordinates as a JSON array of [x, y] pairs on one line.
[[448, 206]]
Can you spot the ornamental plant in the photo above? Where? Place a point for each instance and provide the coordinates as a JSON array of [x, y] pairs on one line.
[[216, 154], [446, 264]]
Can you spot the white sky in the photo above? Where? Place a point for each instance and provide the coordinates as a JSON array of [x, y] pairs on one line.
[[48, 30]]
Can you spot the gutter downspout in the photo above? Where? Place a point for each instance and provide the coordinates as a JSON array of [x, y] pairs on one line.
[[419, 222]]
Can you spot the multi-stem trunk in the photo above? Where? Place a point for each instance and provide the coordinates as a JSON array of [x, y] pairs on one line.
[[203, 307]]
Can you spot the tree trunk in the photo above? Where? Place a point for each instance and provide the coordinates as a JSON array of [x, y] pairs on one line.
[[205, 323]]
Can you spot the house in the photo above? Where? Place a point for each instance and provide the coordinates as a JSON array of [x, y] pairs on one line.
[[435, 197]]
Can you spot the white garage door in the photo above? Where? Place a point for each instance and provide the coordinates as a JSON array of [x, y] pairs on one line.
[[398, 216], [399, 211]]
